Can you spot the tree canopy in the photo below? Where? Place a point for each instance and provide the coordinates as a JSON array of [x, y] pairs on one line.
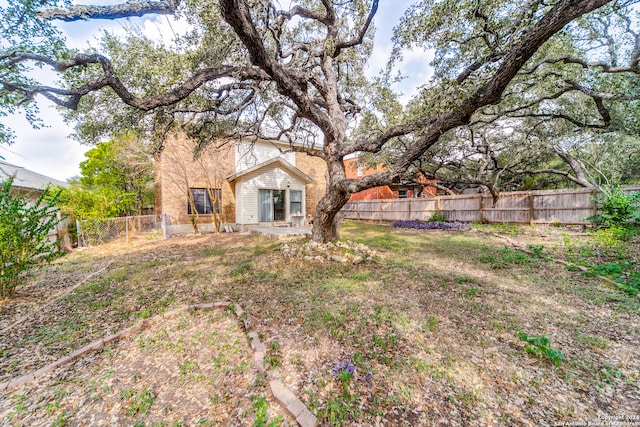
[[251, 68], [116, 179]]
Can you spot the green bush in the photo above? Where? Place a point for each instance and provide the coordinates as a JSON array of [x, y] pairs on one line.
[[437, 217], [615, 234], [24, 233], [617, 208]]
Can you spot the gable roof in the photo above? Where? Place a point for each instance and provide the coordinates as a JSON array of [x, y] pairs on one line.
[[278, 161], [24, 178]]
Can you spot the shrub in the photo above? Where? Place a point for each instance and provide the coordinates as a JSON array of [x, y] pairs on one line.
[[25, 224], [437, 217], [615, 234], [617, 208]]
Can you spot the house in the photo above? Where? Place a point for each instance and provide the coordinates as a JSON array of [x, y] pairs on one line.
[[27, 182], [245, 183], [420, 187]]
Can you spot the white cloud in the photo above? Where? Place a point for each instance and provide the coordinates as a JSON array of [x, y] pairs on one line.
[[48, 150]]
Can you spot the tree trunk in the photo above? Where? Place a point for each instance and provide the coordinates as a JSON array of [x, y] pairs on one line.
[[495, 196], [194, 224], [577, 168], [325, 219]]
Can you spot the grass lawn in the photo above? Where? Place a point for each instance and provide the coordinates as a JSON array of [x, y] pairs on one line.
[[452, 327]]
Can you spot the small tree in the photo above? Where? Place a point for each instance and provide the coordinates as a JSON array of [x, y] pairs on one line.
[[617, 208], [24, 234], [213, 179], [184, 166], [117, 179]]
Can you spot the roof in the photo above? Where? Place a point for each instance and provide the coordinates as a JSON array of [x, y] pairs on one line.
[[24, 178], [278, 161]]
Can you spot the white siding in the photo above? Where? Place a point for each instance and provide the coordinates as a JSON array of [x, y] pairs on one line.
[[239, 201], [272, 178], [249, 155]]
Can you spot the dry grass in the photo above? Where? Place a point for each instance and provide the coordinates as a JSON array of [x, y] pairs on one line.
[[434, 321]]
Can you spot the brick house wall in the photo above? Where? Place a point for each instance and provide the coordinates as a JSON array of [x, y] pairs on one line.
[[352, 170], [176, 171], [316, 168]]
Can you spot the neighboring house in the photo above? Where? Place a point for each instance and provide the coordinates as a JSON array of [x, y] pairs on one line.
[[247, 183], [404, 189], [33, 183], [27, 181]]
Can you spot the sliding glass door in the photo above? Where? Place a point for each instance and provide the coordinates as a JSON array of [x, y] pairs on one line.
[[272, 205], [266, 206]]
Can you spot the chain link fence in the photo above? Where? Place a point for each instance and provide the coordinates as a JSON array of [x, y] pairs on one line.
[[95, 232]]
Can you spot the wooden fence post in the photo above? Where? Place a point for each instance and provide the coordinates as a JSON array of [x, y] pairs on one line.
[[531, 208], [79, 233]]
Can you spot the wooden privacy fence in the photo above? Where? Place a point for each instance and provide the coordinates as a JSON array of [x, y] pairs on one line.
[[571, 206]]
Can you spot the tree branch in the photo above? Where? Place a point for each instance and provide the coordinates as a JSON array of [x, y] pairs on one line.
[[605, 67], [376, 144], [124, 10], [567, 175], [236, 14], [111, 79], [490, 93], [363, 31]]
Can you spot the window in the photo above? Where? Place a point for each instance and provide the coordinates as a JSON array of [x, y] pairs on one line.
[[272, 205], [202, 201], [403, 194], [360, 170], [295, 202]]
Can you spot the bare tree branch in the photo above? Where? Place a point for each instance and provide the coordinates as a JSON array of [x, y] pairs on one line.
[[360, 37], [565, 174], [374, 145], [605, 67], [124, 10], [236, 13], [111, 79]]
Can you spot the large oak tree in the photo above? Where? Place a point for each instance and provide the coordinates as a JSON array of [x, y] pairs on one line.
[[251, 68]]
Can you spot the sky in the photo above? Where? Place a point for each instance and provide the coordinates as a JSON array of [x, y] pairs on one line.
[[51, 151]]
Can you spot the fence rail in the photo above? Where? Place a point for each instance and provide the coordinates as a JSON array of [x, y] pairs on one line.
[[94, 232], [571, 206]]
